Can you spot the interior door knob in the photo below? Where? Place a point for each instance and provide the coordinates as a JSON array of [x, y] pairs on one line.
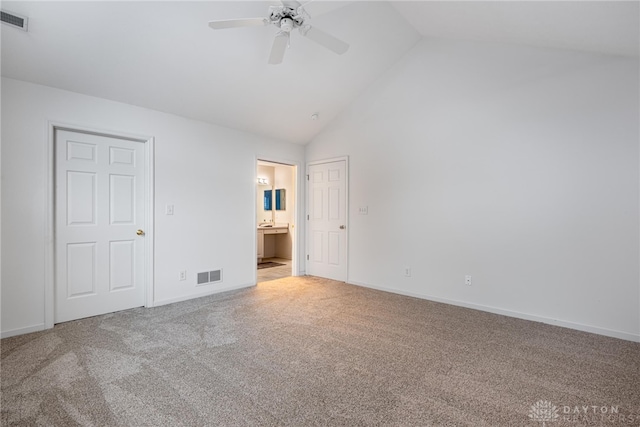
[[140, 233], [342, 227]]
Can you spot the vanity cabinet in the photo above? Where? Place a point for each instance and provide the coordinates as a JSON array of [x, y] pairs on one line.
[[266, 242], [275, 230], [260, 244]]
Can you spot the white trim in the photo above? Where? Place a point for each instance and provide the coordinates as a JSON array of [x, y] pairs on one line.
[[516, 314], [49, 279], [21, 331], [49, 233], [203, 294], [297, 233], [306, 223], [149, 267], [254, 215]]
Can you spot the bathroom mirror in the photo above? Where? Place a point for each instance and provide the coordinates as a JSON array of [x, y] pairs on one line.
[[267, 200], [281, 199]]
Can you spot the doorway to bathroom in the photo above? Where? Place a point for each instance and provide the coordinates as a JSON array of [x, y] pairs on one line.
[[275, 220]]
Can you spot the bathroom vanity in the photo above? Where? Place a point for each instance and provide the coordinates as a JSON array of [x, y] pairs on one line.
[[267, 235]]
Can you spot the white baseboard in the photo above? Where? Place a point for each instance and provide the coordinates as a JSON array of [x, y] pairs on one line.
[[525, 316], [571, 325], [21, 331], [201, 294], [42, 327]]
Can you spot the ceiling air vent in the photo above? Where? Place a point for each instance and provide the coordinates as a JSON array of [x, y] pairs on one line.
[[14, 20]]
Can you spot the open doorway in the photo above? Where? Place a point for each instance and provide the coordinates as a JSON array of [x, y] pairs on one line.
[[275, 220]]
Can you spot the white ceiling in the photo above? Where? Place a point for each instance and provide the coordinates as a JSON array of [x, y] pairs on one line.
[[162, 55], [610, 27]]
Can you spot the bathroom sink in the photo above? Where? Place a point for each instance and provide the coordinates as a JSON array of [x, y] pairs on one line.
[[273, 226]]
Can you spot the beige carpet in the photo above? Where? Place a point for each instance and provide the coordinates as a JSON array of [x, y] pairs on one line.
[[308, 351]]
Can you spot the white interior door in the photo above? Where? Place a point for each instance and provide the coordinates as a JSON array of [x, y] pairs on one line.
[[327, 183], [99, 208]]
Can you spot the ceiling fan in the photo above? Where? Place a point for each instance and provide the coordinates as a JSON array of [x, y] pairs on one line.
[[286, 17]]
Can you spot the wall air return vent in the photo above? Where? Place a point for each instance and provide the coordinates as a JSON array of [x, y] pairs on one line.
[[207, 277], [203, 278], [14, 20]]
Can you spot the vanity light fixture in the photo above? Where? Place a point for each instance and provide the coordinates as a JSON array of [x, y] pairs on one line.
[[262, 181]]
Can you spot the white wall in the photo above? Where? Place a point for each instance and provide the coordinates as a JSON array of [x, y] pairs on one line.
[[518, 166], [206, 171], [284, 179]]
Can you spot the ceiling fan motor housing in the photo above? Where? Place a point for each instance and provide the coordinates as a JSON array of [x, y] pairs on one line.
[[287, 18]]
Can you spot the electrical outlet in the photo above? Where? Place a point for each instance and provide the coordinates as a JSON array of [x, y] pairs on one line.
[[183, 275], [363, 210], [169, 210], [467, 280], [407, 272]]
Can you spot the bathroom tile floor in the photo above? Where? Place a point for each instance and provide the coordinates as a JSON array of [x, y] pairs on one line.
[[273, 273]]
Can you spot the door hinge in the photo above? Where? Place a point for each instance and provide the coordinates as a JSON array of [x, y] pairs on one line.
[[307, 257], [307, 177], [307, 217]]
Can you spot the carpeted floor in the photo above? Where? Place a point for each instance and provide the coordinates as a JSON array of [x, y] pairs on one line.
[[306, 351]]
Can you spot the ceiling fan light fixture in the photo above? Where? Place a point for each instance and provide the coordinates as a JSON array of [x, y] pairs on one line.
[[286, 24]]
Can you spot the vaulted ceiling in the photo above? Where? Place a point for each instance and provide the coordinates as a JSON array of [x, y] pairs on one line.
[[163, 56]]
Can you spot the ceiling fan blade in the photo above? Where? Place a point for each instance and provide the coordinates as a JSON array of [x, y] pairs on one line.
[[316, 8], [234, 23], [293, 4], [324, 39], [279, 46]]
